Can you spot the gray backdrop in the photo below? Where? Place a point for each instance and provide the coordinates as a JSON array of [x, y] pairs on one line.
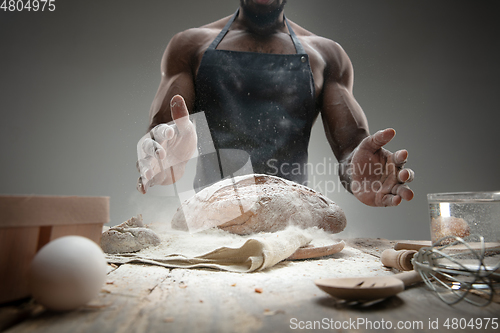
[[76, 86]]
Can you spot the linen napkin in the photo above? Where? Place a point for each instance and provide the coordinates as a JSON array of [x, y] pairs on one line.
[[256, 253]]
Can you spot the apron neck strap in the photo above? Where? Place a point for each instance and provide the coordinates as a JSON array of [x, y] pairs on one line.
[[296, 42], [223, 32]]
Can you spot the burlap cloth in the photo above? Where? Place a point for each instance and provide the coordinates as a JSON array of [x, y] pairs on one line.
[[228, 252]]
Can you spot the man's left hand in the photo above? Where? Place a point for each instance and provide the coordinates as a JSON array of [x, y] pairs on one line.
[[378, 177]]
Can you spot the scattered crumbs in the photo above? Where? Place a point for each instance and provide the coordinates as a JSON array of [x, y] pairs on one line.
[[268, 312], [201, 301], [233, 285], [105, 291], [182, 285], [259, 290], [169, 320], [110, 282]]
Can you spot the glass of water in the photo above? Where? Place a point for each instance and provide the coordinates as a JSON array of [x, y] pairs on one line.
[[465, 214]]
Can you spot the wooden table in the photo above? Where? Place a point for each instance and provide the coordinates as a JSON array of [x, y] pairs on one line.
[[141, 298]]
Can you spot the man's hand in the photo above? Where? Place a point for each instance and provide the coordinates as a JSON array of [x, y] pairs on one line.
[[377, 175], [163, 154]]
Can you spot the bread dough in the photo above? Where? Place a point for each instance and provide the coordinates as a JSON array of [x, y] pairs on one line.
[[258, 203], [130, 236]]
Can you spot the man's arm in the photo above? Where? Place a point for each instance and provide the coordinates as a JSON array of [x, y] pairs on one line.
[[373, 174], [177, 78], [164, 151], [344, 121]]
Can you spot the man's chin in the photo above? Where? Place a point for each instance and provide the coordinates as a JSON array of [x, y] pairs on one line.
[[263, 5], [262, 11], [263, 2]]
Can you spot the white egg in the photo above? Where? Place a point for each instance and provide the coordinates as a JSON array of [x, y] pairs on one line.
[[67, 273]]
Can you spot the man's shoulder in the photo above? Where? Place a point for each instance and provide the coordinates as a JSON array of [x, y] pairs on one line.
[[326, 47], [198, 37], [190, 39], [187, 47], [329, 49]]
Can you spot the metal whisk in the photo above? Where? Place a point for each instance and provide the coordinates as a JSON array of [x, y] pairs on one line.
[[458, 274]]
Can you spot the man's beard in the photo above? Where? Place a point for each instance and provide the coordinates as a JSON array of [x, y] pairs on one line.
[[261, 18]]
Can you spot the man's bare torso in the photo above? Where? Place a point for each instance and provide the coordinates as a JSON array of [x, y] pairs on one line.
[[238, 39]]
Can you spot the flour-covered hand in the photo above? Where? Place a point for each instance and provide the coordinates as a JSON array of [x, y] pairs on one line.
[[378, 176], [165, 150]]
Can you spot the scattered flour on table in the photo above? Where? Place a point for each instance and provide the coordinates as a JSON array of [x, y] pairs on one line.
[[347, 263], [193, 244]]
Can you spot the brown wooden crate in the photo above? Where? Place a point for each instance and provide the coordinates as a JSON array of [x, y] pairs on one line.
[[18, 246], [92, 231], [17, 211]]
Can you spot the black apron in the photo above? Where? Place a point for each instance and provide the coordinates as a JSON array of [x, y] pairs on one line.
[[260, 103]]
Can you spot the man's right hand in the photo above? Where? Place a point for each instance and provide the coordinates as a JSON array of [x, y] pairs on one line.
[[163, 153]]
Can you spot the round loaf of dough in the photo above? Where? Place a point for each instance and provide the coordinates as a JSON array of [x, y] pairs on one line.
[[130, 236], [258, 203]]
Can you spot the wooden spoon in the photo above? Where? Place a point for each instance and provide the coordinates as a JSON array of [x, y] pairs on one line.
[[368, 288]]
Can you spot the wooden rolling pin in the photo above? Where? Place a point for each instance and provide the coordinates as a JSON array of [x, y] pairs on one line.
[[398, 259]]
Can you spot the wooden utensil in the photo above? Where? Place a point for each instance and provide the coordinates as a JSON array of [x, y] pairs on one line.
[[368, 288], [309, 252], [417, 245], [398, 259]]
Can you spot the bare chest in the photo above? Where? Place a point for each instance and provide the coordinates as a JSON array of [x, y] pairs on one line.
[[280, 43]]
